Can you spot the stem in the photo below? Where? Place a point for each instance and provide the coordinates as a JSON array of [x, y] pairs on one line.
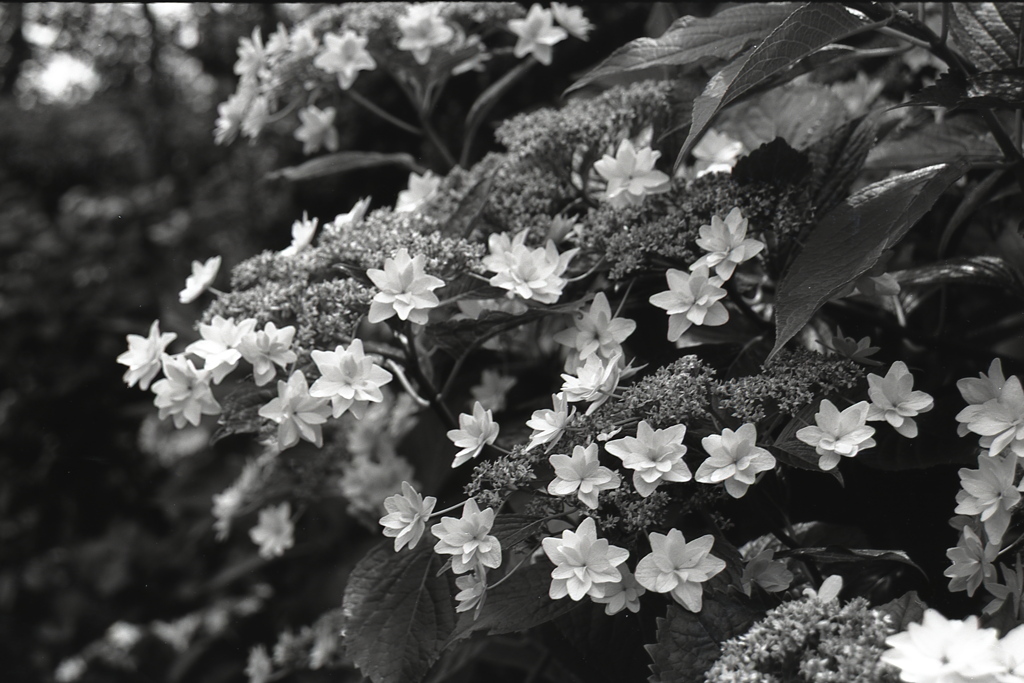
[[510, 572], [373, 108], [435, 398], [453, 507], [420, 401], [438, 142]]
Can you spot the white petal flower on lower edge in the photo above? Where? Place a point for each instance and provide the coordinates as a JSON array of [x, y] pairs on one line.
[[989, 493], [999, 421], [423, 29], [549, 425], [735, 460], [938, 650], [144, 355], [266, 348], [679, 567], [349, 378], [203, 275], [405, 289], [296, 412], [537, 34], [468, 540], [631, 175], [275, 532], [346, 56], [317, 129], [184, 393], [596, 331], [655, 455], [420, 189], [302, 235], [894, 400], [582, 474], [475, 431], [838, 435], [691, 299], [219, 345], [535, 274], [727, 244], [407, 516], [584, 563], [622, 594]]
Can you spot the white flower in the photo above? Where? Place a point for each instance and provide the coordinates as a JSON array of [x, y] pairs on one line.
[[1012, 648], [622, 594], [978, 390], [549, 425], [691, 299], [70, 670], [631, 175], [537, 34], [265, 348], [584, 564], [259, 667], [251, 55], [345, 55], [317, 129], [989, 493], [405, 289], [256, 117], [735, 459], [468, 539], [597, 331], [421, 188], [203, 275], [407, 516], [144, 354], [475, 431], [302, 235], [422, 30], [296, 412], [572, 20], [231, 113], [303, 41], [531, 273], [893, 399], [349, 378], [184, 393], [838, 434], [716, 153], [275, 532], [472, 589], [354, 216], [944, 651], [680, 568], [124, 635], [727, 244], [972, 562], [218, 346], [655, 455], [1000, 421], [367, 482], [581, 474], [492, 390], [593, 382]]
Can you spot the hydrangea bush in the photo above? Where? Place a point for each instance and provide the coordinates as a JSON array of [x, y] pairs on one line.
[[583, 385]]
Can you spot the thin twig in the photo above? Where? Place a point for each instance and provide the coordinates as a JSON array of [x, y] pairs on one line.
[[390, 118]]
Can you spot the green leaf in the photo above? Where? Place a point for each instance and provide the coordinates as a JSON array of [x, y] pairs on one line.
[[956, 139], [688, 644], [903, 611], [606, 649], [838, 554], [240, 411], [344, 161], [1001, 89], [800, 114], [838, 158], [692, 40], [987, 32], [992, 271], [399, 613], [773, 162], [851, 238], [806, 30], [488, 98]]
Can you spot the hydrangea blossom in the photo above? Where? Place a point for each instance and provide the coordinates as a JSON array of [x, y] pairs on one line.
[[346, 56], [894, 400], [537, 34], [275, 532], [296, 412], [972, 562], [349, 378], [366, 480], [144, 355], [735, 460], [938, 650], [302, 235], [572, 20], [259, 668], [267, 347], [727, 244], [203, 275], [355, 215], [989, 493], [230, 115], [493, 389], [593, 382], [1012, 650], [405, 289], [622, 594], [716, 153], [584, 563], [317, 129], [1000, 421], [838, 434], [548, 425], [631, 175], [423, 29], [582, 474], [468, 539], [407, 516], [184, 393], [420, 189], [596, 331], [691, 299], [655, 455], [530, 273], [219, 344], [475, 431], [978, 390], [472, 589], [251, 55], [256, 117], [679, 567]]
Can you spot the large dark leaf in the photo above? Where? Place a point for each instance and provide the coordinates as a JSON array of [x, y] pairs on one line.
[[838, 158], [608, 649], [851, 238], [987, 32], [808, 29], [240, 411], [1001, 89], [691, 40], [992, 271], [344, 161], [773, 162], [935, 143], [399, 613], [688, 644], [488, 98]]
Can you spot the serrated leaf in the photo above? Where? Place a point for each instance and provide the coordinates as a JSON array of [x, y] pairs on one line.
[[688, 644], [486, 101], [838, 159], [987, 32], [851, 238], [344, 161], [992, 271], [800, 114], [834, 554], [904, 610], [691, 40], [935, 143], [398, 613], [808, 29]]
